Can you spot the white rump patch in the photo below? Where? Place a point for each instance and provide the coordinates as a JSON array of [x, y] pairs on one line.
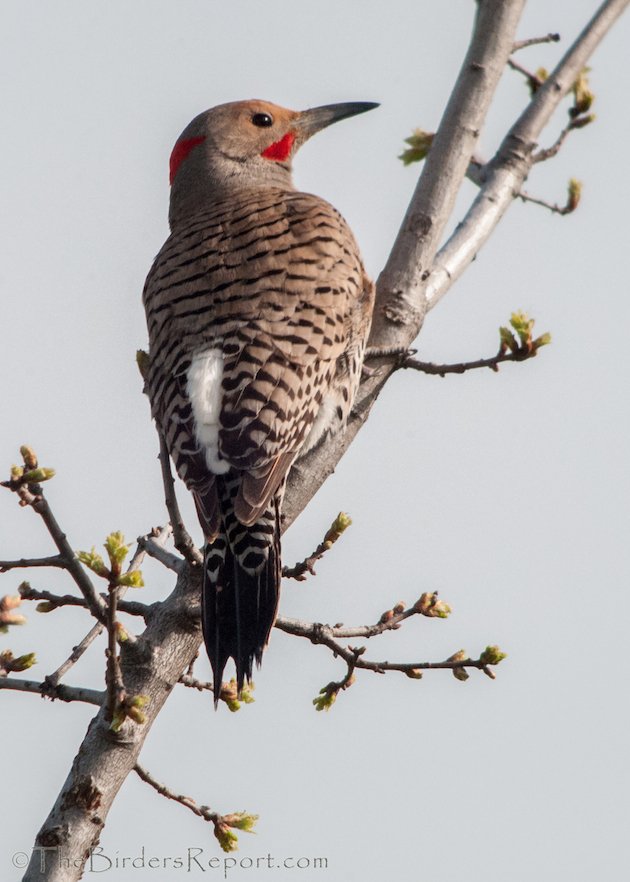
[[203, 385]]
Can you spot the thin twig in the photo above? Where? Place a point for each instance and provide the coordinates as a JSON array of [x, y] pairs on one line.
[[62, 692], [51, 681], [183, 542], [202, 811], [325, 635], [535, 41], [403, 360], [116, 693], [336, 529], [33, 496], [131, 607], [567, 208], [533, 80], [55, 560]]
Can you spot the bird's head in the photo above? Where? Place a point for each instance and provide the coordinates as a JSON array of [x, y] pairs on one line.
[[244, 144]]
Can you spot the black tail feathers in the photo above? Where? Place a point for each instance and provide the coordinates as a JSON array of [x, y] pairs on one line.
[[239, 604]]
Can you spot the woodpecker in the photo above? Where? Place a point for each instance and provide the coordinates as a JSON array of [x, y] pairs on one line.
[[258, 311]]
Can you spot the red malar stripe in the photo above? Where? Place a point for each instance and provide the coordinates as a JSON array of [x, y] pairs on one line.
[[281, 150], [180, 152]]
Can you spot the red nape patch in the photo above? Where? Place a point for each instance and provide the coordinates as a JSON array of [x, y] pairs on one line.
[[281, 150], [180, 152]]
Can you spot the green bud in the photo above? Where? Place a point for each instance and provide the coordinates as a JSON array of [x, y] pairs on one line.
[[38, 476], [29, 456], [131, 580], [241, 821], [94, 562], [325, 700], [227, 839], [461, 674], [116, 549], [16, 473], [45, 607], [419, 145], [119, 718], [523, 326], [508, 340], [440, 610], [137, 715], [338, 526], [574, 194], [23, 662], [492, 655], [582, 95], [543, 340]]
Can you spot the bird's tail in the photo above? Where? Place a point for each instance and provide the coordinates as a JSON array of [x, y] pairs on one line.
[[241, 590]]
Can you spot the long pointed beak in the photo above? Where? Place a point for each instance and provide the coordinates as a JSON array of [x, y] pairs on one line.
[[317, 118]]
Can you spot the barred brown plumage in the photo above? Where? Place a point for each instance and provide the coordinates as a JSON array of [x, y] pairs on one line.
[[258, 310]]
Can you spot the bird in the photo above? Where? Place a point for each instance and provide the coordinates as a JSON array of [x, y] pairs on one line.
[[258, 311]]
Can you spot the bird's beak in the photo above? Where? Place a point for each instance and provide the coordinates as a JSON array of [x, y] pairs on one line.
[[316, 118]]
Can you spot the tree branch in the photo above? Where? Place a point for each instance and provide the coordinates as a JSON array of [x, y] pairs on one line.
[[183, 542], [62, 692], [507, 171], [55, 560]]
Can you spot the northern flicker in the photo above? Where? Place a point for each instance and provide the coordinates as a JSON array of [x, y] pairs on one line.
[[258, 310]]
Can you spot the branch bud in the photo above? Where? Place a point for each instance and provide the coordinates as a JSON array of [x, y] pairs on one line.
[[38, 475], [116, 550], [7, 617], [94, 562], [338, 526], [419, 145], [226, 838], [241, 821], [325, 699], [492, 655], [131, 580], [574, 194], [29, 456], [459, 673]]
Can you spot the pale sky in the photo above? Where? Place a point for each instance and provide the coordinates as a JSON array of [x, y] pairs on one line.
[[506, 492]]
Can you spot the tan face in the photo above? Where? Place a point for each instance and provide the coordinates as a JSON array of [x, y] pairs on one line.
[[246, 129]]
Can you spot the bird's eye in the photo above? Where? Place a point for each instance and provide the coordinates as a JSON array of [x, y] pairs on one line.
[[262, 120]]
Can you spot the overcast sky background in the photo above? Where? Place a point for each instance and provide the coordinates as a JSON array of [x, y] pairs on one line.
[[508, 492]]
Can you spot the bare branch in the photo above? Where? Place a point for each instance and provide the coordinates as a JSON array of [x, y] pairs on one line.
[[535, 41], [400, 297], [509, 168], [298, 572], [33, 496], [202, 811], [183, 542], [131, 607], [325, 635], [51, 681], [55, 560], [63, 693], [223, 824]]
